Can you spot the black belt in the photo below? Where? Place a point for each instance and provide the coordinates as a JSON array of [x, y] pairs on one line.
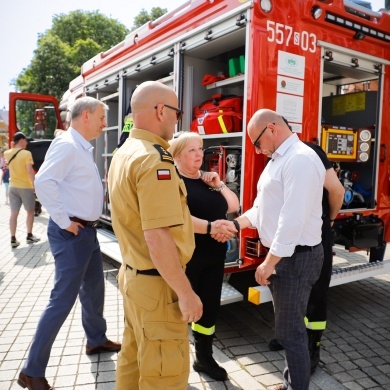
[[83, 222], [150, 272], [305, 248], [300, 248]]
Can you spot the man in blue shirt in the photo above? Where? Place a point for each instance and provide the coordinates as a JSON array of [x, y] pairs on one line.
[[70, 188]]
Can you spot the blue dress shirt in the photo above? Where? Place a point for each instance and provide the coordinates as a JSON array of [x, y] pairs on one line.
[[68, 183]]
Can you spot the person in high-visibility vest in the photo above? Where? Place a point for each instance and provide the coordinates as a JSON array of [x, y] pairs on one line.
[[128, 125]]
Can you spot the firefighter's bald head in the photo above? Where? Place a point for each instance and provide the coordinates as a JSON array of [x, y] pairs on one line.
[[155, 108], [151, 93]]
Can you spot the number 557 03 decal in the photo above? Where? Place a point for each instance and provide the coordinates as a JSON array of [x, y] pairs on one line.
[[283, 34]]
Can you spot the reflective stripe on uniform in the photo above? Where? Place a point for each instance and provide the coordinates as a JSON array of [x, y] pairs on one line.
[[202, 330], [315, 325]]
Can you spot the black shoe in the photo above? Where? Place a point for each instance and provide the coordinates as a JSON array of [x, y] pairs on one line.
[[204, 361], [314, 337], [274, 345], [212, 369]]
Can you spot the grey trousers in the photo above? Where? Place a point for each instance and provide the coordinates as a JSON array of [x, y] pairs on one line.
[[290, 286]]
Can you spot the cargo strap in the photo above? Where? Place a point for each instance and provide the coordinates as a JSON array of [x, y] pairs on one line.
[[222, 123]]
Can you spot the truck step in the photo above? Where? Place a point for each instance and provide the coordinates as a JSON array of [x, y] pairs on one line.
[[262, 294], [109, 245], [358, 272], [259, 294], [110, 248]]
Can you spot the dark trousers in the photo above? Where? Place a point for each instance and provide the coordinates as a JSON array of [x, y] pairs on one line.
[[290, 287], [316, 313], [78, 272], [206, 277]]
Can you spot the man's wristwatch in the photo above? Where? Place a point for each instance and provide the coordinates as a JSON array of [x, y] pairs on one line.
[[236, 225]]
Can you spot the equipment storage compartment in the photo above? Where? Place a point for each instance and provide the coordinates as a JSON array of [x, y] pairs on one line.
[[213, 100], [214, 103]]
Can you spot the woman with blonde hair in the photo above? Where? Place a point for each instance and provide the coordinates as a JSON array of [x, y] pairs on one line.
[[210, 199]]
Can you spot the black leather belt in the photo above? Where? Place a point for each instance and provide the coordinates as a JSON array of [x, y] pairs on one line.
[[83, 222], [150, 272], [300, 248], [305, 248]]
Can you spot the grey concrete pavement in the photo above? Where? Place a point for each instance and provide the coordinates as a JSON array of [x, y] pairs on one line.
[[356, 347], [26, 279]]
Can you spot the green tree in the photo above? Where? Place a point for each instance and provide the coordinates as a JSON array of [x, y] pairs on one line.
[[83, 25], [73, 39], [50, 70], [144, 17]]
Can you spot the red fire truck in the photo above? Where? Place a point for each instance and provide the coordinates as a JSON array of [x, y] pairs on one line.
[[322, 64], [38, 117]]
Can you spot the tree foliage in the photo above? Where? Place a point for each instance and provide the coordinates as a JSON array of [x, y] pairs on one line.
[[73, 39], [144, 16]]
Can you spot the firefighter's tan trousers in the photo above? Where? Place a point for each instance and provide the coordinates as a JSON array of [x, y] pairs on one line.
[[155, 345]]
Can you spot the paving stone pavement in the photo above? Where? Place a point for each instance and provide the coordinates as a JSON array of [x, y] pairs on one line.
[[356, 347]]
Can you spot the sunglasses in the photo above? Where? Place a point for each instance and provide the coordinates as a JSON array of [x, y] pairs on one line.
[[179, 113]]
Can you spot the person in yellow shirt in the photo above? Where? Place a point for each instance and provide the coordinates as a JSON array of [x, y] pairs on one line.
[[21, 186]]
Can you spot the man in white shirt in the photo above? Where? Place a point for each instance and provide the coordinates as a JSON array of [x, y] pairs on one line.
[[287, 214]]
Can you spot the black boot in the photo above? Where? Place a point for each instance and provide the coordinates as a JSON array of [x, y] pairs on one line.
[[204, 361], [314, 337], [274, 345]]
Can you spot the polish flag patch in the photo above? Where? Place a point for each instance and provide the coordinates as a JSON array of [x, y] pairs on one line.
[[163, 174]]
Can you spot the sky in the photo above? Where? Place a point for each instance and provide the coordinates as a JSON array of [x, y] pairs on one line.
[[22, 20]]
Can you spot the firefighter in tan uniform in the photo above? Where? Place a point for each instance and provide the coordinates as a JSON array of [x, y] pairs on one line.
[[153, 225]]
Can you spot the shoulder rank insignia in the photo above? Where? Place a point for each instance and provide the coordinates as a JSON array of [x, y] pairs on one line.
[[164, 154]]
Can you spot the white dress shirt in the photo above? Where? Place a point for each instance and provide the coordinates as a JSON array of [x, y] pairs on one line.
[[288, 208], [68, 183]]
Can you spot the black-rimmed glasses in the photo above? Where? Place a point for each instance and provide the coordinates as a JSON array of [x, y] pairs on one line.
[[256, 143], [179, 113]]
